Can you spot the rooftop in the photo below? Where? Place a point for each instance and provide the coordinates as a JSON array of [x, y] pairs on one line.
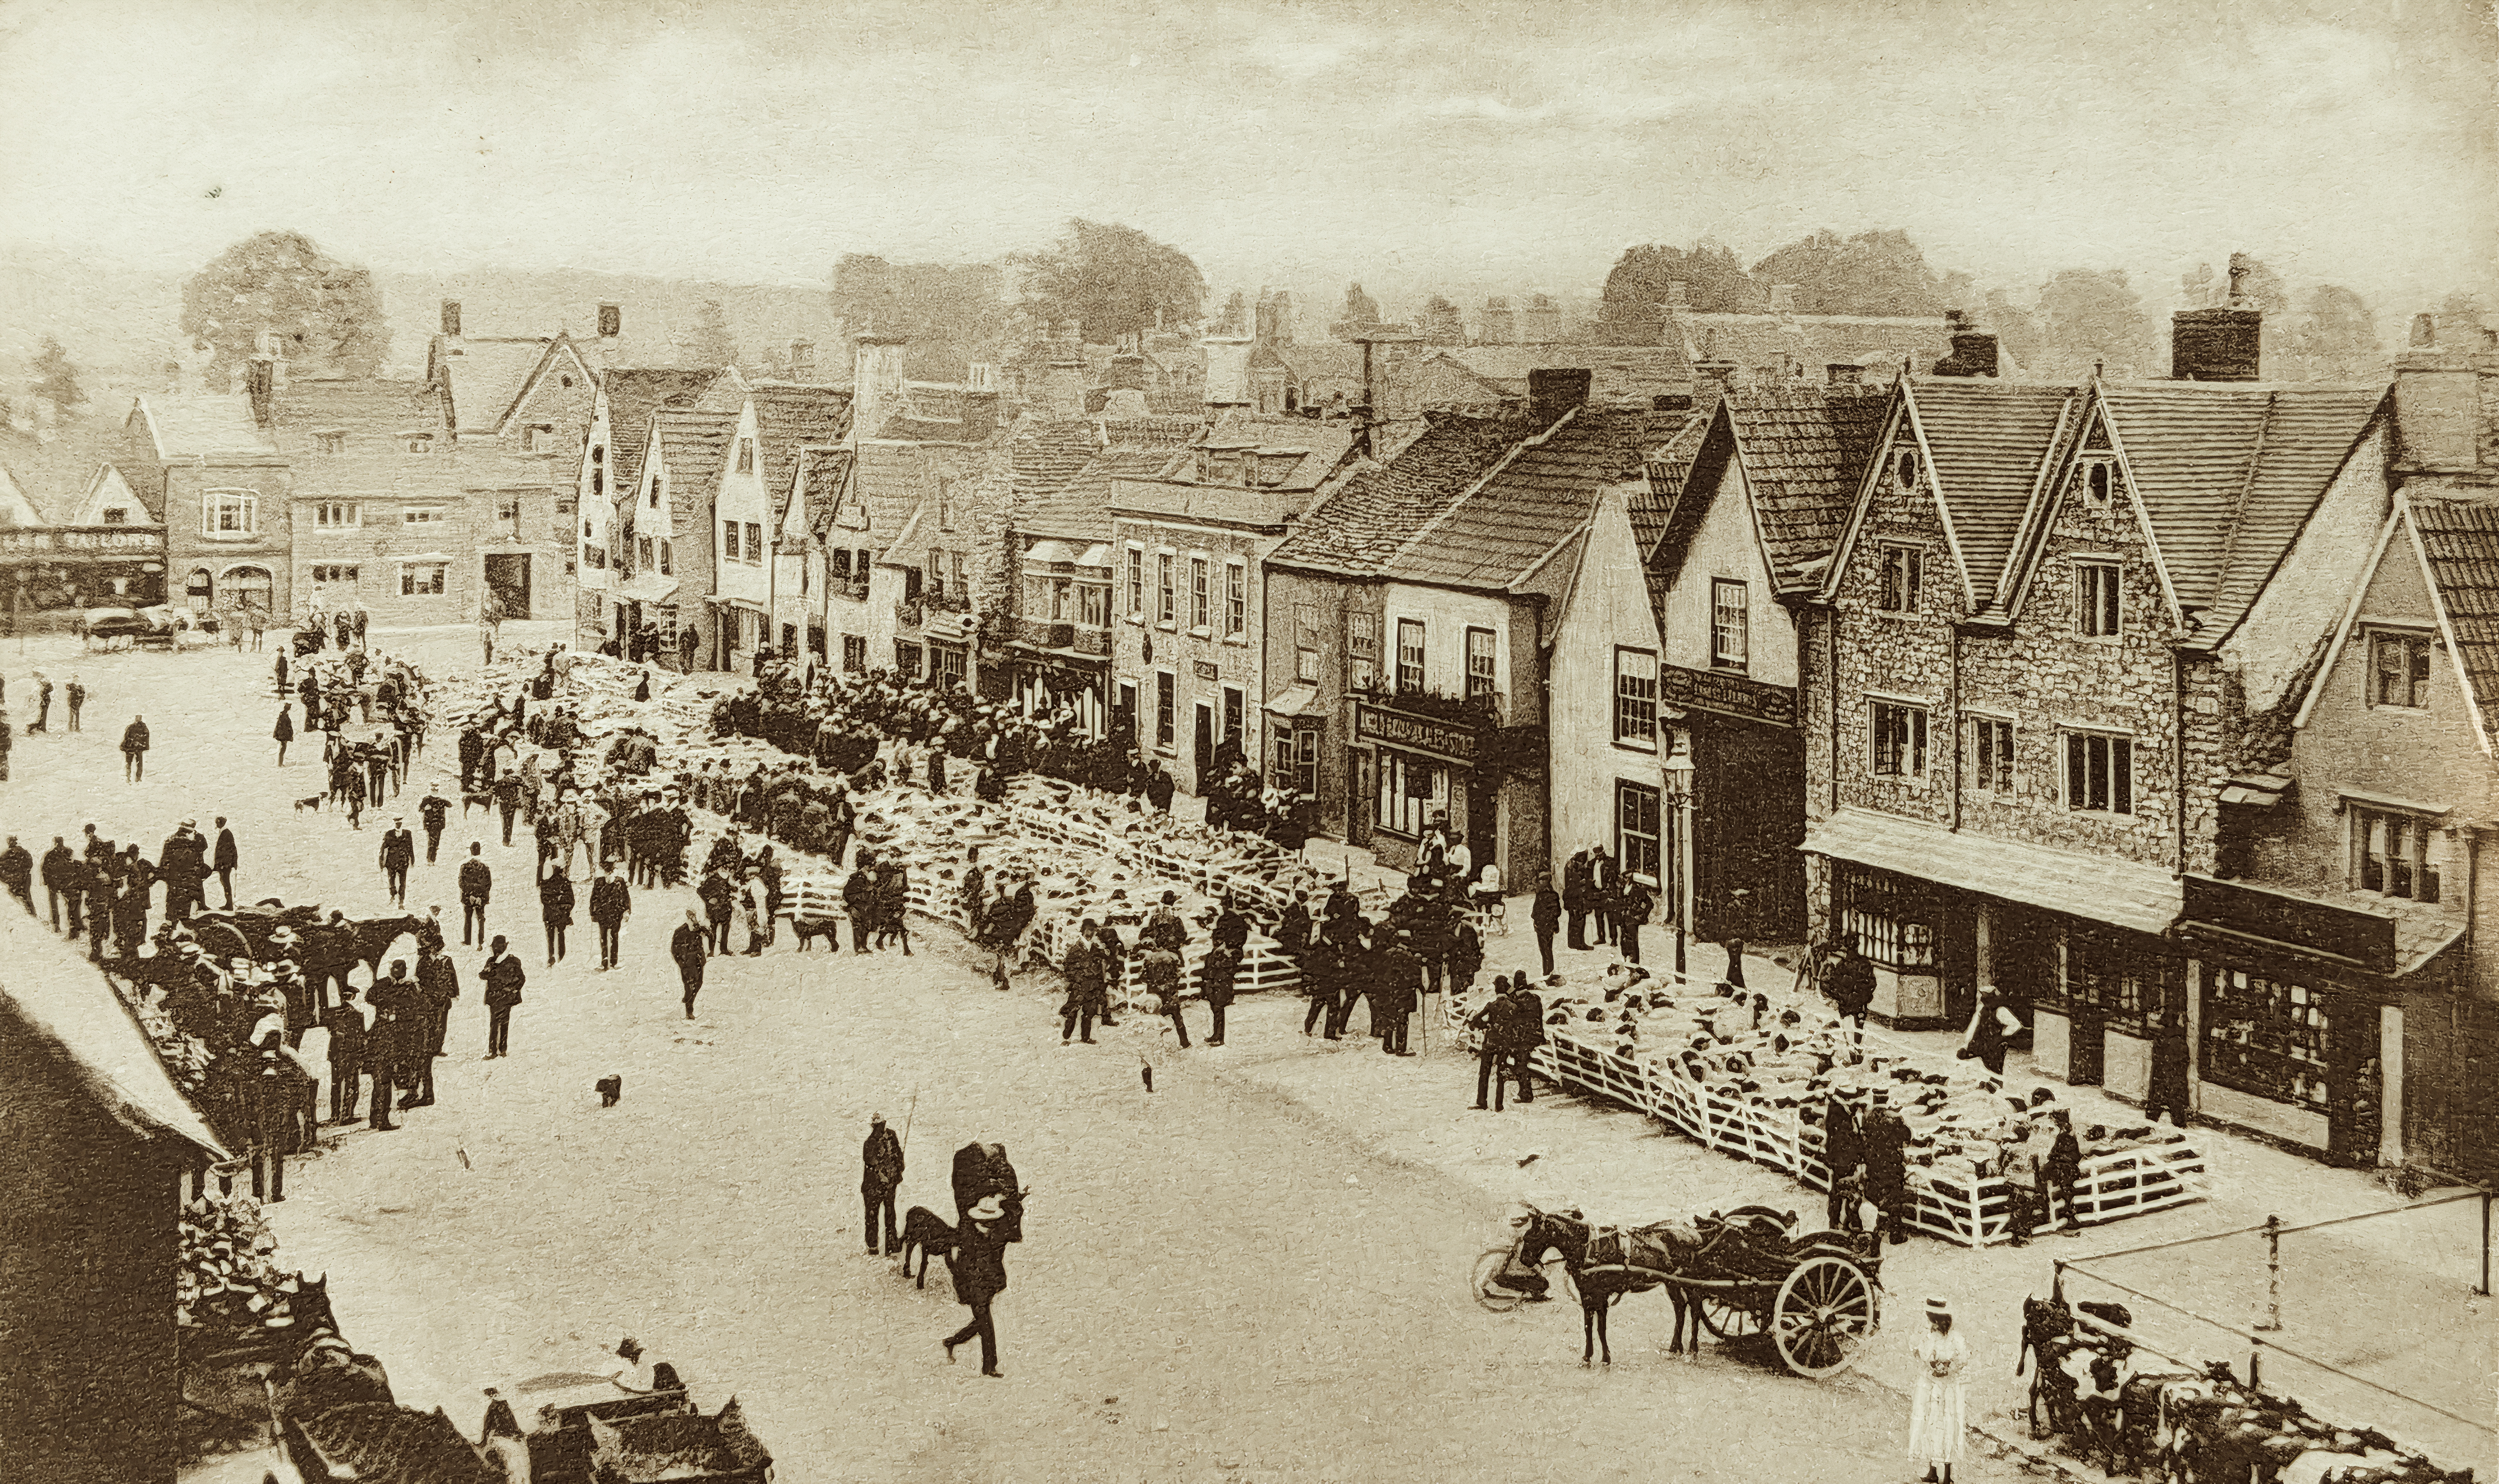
[[202, 426], [633, 395], [1361, 526], [64, 1000], [2460, 539], [1514, 520], [790, 416]]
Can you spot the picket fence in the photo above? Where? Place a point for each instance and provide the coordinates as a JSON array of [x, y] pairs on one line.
[[2111, 1186]]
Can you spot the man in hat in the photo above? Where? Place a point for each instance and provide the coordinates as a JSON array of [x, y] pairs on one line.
[[345, 1023], [226, 858], [978, 1263], [394, 1041], [880, 1176], [399, 852], [438, 986], [1883, 1149], [690, 944], [476, 882], [641, 1375], [134, 750], [504, 977], [433, 811], [612, 902], [183, 863]]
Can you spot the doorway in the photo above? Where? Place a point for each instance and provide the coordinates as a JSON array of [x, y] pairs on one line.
[[1204, 756], [508, 577]]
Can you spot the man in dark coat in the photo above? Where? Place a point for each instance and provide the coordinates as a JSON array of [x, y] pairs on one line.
[[18, 873], [399, 852], [1496, 1023], [1082, 968], [503, 976], [1849, 984], [2170, 1060], [183, 863], [1214, 982], [59, 883], [345, 1023], [981, 1170], [690, 944], [1842, 1152], [1159, 789], [1884, 1145], [437, 983], [394, 1040], [1393, 979], [1546, 915], [1577, 887], [476, 883], [612, 901], [978, 1263], [717, 896], [134, 750], [1293, 927], [433, 810], [880, 1176], [224, 862]]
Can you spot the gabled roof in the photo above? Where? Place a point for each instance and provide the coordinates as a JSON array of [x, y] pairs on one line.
[[370, 411], [1509, 525], [16, 511], [2460, 545], [1361, 526], [483, 377], [376, 1442], [1986, 445], [1804, 451], [891, 480], [1670, 468], [2227, 473], [823, 477], [65, 1001], [560, 353], [694, 445], [633, 395], [910, 547], [190, 427], [790, 416], [108, 490]]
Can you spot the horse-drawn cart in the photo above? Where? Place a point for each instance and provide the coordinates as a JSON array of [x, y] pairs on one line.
[[1816, 1295]]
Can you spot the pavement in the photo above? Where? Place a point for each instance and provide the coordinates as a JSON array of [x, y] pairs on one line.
[[1255, 1271]]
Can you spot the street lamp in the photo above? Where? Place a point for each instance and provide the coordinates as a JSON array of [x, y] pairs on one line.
[[1679, 797]]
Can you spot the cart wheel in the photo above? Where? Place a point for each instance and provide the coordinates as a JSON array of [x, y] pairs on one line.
[[1824, 1311], [1727, 1318], [224, 941], [1500, 1301]]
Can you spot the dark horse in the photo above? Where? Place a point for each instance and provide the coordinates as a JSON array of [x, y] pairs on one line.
[[1605, 1263]]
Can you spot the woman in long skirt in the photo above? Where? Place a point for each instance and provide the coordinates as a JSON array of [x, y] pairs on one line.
[[1939, 1415]]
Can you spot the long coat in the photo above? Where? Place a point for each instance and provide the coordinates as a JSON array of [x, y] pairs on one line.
[[979, 1261]]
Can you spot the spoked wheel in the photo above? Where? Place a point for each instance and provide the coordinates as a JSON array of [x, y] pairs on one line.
[[1500, 1301], [1724, 1315], [1824, 1313], [224, 941]]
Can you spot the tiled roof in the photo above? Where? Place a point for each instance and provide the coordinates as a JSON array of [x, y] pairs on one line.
[[890, 480], [1620, 375], [693, 445], [1670, 467], [910, 546], [1151, 431], [2461, 540], [1988, 441], [633, 395], [1081, 507], [2229, 473], [823, 477], [1365, 523], [1515, 517], [379, 1443], [1048, 452], [1777, 348], [788, 417], [65, 1000], [188, 427], [484, 375], [1805, 452], [1325, 444]]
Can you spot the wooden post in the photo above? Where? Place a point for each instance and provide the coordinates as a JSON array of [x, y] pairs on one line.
[[2484, 1289], [2273, 1276]]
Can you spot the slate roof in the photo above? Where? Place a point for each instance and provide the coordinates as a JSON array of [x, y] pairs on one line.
[[2229, 473], [1501, 531], [1081, 507], [1048, 452], [2097, 888], [694, 445], [379, 1443], [1670, 468], [1805, 452], [2460, 539], [1988, 441], [187, 426], [890, 480], [633, 395], [790, 416], [823, 477], [1362, 526], [65, 1000]]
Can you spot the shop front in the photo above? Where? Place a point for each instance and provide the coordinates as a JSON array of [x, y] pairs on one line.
[[1415, 773], [1746, 809], [66, 570]]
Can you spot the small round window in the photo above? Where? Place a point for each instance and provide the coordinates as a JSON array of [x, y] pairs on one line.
[[1907, 468], [2099, 485]]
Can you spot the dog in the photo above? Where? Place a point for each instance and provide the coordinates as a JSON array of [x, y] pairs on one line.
[[928, 1231], [479, 798], [809, 929], [313, 803], [610, 1088]]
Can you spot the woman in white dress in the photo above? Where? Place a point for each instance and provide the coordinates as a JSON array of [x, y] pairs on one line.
[[1937, 1413]]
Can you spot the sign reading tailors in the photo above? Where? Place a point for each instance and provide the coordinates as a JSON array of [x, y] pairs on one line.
[[100, 538], [1727, 694], [1421, 734]]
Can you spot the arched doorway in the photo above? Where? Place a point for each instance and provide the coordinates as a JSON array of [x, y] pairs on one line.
[[248, 590], [199, 590]]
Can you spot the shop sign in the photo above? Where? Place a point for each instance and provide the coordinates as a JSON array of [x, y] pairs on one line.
[[1455, 744], [1727, 694], [1205, 669], [104, 539]]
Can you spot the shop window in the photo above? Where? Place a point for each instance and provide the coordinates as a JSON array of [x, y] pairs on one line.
[[2394, 854], [1903, 569], [2400, 663], [422, 579], [2127, 986], [1635, 698], [229, 513], [1897, 741], [854, 653], [1409, 654], [1991, 755], [1885, 919], [1362, 649], [950, 663], [2095, 599], [2266, 1037], [1639, 840], [2100, 773], [1412, 789], [1483, 662], [906, 659], [1728, 639], [1236, 598], [1166, 708], [1306, 761]]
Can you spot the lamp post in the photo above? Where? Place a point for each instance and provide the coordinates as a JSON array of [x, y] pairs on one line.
[[1677, 797]]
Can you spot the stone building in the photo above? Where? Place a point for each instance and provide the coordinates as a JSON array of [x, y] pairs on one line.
[[209, 469], [617, 598], [777, 423], [665, 530], [2059, 622]]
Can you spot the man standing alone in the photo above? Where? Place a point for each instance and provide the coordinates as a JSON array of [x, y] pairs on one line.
[[226, 860], [504, 977], [476, 882], [399, 852], [979, 1269], [345, 1023], [134, 750], [433, 810], [612, 901], [880, 1176], [690, 944]]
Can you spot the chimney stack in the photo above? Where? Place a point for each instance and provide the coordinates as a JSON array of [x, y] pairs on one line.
[[802, 360], [451, 318], [981, 377], [1227, 371], [1554, 390], [876, 384], [173, 378], [1973, 353], [611, 321], [1843, 374], [1062, 390], [2441, 425], [1500, 322], [1783, 299], [261, 382]]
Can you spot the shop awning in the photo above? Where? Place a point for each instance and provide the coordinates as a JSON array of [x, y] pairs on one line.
[[2098, 887], [646, 588], [1294, 702]]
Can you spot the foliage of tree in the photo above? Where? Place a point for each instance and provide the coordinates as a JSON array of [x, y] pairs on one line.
[[2333, 337], [1873, 273], [1632, 310], [1236, 315], [327, 314], [2016, 329], [952, 314], [55, 378], [2092, 315], [709, 343], [1113, 280]]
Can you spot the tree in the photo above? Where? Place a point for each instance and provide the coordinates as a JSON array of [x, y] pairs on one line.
[[1115, 282], [2093, 315], [1873, 273], [327, 314], [952, 314], [2334, 338], [2016, 329], [55, 378], [1361, 312], [709, 344], [1632, 310]]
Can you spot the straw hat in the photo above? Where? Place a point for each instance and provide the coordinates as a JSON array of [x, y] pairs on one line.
[[990, 1209]]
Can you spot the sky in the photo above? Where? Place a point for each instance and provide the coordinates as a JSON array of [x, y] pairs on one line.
[[1417, 147]]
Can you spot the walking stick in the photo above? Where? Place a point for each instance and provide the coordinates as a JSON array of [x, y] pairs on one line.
[[906, 1118]]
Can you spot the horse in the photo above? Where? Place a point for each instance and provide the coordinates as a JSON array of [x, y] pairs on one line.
[[1597, 1261], [926, 1232]]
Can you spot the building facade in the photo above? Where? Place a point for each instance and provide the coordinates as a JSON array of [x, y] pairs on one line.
[[209, 469], [616, 596]]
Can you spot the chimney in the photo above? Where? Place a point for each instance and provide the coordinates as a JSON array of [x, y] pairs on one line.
[[1500, 322], [1541, 322], [981, 377], [2239, 265], [173, 378], [611, 321], [1954, 321], [1713, 371], [876, 383], [1552, 392], [2424, 332], [261, 382], [1843, 374], [1227, 370], [1062, 390], [451, 318], [802, 360], [2216, 345], [980, 415], [2438, 414], [1973, 353], [1783, 299]]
